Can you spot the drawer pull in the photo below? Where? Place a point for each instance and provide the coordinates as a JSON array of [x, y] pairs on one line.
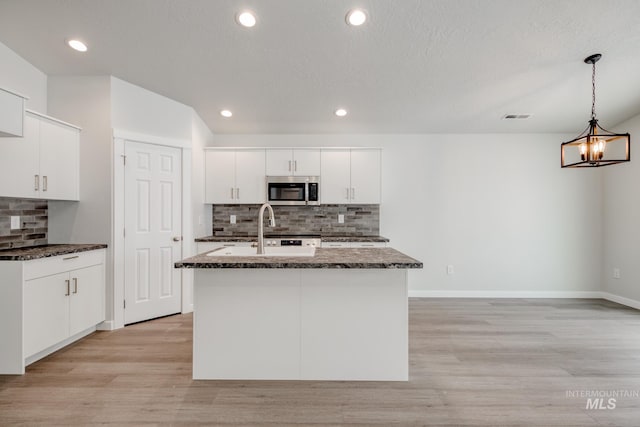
[[75, 285], [71, 257], [36, 182], [68, 288]]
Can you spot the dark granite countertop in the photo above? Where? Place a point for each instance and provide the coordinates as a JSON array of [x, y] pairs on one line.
[[44, 251], [342, 238], [324, 258]]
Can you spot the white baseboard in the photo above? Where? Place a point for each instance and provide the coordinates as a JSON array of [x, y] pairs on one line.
[[621, 300], [107, 325], [527, 294], [505, 294]]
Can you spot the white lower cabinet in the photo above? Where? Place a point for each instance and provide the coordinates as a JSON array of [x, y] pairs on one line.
[[48, 303]]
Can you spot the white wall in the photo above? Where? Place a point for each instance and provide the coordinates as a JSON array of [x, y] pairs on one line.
[[497, 207], [141, 111], [201, 213], [622, 221], [86, 102], [18, 75]]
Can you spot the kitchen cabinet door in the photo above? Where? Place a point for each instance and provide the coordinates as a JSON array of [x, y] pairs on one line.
[[11, 114], [306, 162], [335, 171], [46, 312], [86, 305], [59, 152], [365, 176], [250, 177], [279, 162], [20, 162], [220, 180]]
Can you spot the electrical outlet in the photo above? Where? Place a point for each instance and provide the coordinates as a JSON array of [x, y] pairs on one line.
[[232, 219], [616, 273], [449, 270], [340, 219], [15, 223]]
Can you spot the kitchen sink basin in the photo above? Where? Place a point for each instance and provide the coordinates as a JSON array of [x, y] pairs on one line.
[[279, 251]]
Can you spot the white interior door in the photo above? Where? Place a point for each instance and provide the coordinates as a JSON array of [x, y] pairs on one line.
[[153, 200]]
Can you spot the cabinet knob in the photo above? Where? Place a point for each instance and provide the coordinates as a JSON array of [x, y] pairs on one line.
[[177, 238]]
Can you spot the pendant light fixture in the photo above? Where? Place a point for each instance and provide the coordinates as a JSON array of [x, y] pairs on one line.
[[595, 146]]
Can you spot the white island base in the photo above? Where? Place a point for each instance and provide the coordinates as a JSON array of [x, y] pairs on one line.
[[301, 324]]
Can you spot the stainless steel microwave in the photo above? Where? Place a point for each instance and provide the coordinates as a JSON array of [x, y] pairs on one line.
[[293, 190]]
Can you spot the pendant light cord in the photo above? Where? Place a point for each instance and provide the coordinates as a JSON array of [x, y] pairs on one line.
[[593, 92]]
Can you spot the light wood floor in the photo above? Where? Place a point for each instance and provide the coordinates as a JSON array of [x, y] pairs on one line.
[[472, 362]]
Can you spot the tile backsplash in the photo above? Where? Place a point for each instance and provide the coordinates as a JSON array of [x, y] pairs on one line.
[[33, 222], [359, 220]]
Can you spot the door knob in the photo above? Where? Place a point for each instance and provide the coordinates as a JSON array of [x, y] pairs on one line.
[[177, 239]]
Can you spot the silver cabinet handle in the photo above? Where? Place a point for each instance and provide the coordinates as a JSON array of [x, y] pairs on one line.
[[237, 193], [75, 285], [295, 166], [229, 244], [44, 183], [347, 196], [37, 182], [177, 239], [289, 165], [71, 257], [68, 288], [232, 192], [353, 193]]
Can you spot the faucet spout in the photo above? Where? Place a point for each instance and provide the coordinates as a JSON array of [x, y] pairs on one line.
[[272, 222]]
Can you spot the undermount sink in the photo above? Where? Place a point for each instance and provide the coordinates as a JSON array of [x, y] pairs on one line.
[[280, 251]]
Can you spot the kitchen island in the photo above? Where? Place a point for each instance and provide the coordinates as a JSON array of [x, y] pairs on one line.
[[338, 315]]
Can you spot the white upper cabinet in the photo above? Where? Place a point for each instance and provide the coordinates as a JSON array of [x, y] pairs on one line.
[[59, 158], [365, 176], [350, 176], [20, 162], [11, 113], [43, 164], [296, 162], [235, 176]]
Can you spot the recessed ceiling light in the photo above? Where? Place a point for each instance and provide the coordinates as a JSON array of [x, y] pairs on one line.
[[340, 112], [356, 17], [246, 19], [226, 113], [77, 45]]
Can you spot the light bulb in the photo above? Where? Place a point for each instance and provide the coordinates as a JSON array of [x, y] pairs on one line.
[[246, 19], [356, 17]]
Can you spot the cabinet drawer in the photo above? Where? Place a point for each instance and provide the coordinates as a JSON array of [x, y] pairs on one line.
[[209, 246], [336, 244], [54, 265], [368, 244]]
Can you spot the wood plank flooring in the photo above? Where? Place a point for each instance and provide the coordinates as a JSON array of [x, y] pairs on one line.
[[477, 362]]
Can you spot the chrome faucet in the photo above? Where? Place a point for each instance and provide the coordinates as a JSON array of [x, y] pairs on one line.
[[272, 222]]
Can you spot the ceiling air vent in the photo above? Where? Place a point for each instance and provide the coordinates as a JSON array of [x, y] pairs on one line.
[[516, 116]]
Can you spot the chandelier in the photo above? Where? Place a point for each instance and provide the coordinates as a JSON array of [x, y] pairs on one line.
[[595, 146]]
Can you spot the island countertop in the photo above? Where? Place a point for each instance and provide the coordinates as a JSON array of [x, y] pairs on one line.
[[324, 258]]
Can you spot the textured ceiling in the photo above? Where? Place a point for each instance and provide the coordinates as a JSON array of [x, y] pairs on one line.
[[417, 66]]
